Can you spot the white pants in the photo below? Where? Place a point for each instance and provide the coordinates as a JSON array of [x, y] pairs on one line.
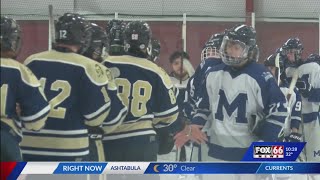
[[312, 137]]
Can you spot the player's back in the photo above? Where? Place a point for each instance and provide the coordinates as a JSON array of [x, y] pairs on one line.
[[310, 72], [17, 83], [67, 78], [147, 91]]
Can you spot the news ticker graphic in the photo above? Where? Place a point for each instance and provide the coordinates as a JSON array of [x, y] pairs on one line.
[[258, 151], [161, 168], [274, 151]]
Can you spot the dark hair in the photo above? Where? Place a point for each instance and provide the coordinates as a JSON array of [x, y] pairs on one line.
[[178, 54]]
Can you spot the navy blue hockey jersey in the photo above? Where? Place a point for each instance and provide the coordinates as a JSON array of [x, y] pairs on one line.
[[81, 93], [19, 85], [194, 84], [147, 91]]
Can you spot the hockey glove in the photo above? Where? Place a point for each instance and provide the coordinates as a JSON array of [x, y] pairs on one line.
[[304, 87], [166, 141], [294, 137]]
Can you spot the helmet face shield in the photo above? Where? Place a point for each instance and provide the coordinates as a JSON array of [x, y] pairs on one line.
[[292, 49], [293, 56], [233, 52], [10, 39], [209, 52]]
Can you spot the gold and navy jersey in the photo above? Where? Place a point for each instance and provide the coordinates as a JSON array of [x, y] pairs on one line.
[[147, 91], [20, 86], [81, 93]]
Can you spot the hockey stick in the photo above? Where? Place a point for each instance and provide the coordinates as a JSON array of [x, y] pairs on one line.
[[277, 64], [291, 91], [292, 84], [51, 28], [181, 68]]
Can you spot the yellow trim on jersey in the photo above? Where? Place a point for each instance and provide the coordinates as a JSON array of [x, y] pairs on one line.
[[37, 125], [98, 120], [144, 64], [26, 74], [11, 124], [96, 72], [55, 142], [167, 119], [119, 119], [100, 151], [139, 125]]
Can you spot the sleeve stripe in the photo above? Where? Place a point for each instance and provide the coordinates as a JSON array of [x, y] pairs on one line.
[[280, 119], [45, 115], [276, 122], [99, 111], [118, 117], [37, 115], [296, 118], [64, 132], [175, 108], [203, 116], [163, 121]]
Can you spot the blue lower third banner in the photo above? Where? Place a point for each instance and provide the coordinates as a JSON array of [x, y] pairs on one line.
[[167, 168], [233, 168]]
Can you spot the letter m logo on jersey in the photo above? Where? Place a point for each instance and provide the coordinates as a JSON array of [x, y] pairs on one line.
[[237, 105]]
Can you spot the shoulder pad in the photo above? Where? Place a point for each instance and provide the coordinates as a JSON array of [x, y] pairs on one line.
[[25, 73]]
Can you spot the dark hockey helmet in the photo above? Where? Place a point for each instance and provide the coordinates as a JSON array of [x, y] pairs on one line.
[[137, 39], [239, 46], [10, 39], [271, 62], [212, 46], [156, 47], [97, 44], [115, 29], [292, 49], [313, 58], [73, 29]]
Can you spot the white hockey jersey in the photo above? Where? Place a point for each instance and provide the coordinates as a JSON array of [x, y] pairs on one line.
[[310, 104], [230, 104]]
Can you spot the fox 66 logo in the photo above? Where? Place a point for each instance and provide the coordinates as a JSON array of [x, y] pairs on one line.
[[268, 151]]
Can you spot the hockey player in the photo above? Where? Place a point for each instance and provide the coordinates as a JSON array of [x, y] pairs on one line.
[[155, 52], [95, 52], [115, 45], [235, 94], [182, 70], [309, 87], [98, 43], [313, 58], [81, 91], [210, 56], [291, 133], [18, 85], [147, 91]]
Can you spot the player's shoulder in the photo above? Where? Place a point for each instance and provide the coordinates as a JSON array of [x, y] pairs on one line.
[[96, 72], [9, 63], [258, 72], [25, 73], [309, 67], [144, 65]]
